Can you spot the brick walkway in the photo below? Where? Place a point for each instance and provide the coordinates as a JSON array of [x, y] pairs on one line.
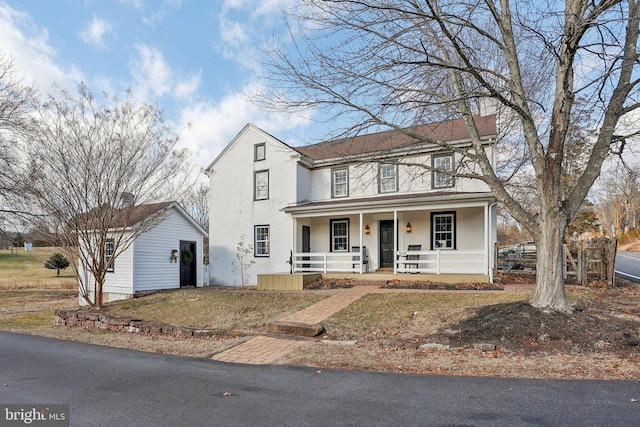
[[265, 350], [259, 350]]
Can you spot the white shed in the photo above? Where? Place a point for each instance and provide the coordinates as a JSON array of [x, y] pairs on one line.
[[167, 256]]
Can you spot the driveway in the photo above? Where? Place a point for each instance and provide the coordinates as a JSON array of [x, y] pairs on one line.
[[118, 387], [628, 265]]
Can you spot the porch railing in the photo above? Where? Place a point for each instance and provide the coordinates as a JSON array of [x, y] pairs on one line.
[[441, 261], [327, 262], [437, 261]]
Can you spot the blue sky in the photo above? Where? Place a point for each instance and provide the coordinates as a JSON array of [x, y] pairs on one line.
[[195, 59]]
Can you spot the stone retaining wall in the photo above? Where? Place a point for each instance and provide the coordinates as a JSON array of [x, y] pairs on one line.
[[93, 320]]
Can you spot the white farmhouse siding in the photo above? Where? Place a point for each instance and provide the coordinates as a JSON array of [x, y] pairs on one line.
[[307, 200], [235, 213]]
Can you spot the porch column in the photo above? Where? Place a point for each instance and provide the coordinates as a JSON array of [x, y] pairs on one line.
[[361, 247], [293, 245], [395, 241], [487, 227]]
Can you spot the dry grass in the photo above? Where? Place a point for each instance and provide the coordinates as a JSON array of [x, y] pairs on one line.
[[403, 315], [211, 307], [25, 270]]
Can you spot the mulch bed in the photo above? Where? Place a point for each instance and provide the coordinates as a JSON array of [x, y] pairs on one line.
[[324, 284], [426, 284]]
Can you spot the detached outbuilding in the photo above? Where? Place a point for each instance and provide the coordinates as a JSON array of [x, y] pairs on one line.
[[168, 255]]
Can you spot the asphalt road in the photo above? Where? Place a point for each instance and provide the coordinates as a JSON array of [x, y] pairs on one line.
[[117, 387], [628, 265]]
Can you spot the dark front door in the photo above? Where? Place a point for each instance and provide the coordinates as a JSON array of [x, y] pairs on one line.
[[386, 244], [306, 243], [187, 263]]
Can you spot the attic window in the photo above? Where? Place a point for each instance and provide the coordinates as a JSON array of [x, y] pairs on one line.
[[259, 152], [261, 185]]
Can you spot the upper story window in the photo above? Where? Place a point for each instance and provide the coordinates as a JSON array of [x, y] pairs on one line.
[[443, 230], [259, 152], [109, 249], [388, 178], [261, 185], [339, 235], [442, 162], [261, 241], [340, 182]]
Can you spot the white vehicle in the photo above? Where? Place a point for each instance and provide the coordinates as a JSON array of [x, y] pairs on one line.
[[522, 248]]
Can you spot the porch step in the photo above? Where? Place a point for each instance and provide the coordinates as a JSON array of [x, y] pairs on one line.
[[295, 328], [369, 282]]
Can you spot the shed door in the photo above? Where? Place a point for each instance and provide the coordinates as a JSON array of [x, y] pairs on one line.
[[187, 264]]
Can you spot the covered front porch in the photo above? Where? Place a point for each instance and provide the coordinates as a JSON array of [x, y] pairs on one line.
[[432, 234]]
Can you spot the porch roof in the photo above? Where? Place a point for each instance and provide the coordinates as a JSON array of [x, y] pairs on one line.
[[411, 201]]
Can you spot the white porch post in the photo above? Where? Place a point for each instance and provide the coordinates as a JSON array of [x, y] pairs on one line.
[[293, 245], [395, 242], [487, 240], [361, 247]]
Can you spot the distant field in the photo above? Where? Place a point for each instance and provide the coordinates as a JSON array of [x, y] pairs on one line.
[[25, 270]]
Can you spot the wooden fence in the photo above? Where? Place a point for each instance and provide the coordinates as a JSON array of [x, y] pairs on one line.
[[584, 260]]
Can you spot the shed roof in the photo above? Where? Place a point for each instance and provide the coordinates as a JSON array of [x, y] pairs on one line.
[[131, 215]]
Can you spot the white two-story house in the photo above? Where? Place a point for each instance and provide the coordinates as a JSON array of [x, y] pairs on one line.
[[318, 208]]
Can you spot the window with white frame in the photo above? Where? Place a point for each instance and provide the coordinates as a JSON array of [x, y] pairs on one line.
[[109, 250], [443, 230], [339, 235], [261, 240], [261, 185], [442, 162], [259, 152], [340, 182], [388, 178]]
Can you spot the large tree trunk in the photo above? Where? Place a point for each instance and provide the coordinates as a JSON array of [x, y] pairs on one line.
[[550, 293]]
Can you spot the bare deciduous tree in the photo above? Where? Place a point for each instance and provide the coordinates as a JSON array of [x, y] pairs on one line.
[[17, 101], [91, 166], [392, 64], [196, 203], [620, 200]]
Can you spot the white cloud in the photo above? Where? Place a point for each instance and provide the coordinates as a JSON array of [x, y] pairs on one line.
[[233, 33], [186, 88], [151, 72], [95, 32], [137, 4], [213, 125], [33, 56], [155, 77], [157, 17]]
